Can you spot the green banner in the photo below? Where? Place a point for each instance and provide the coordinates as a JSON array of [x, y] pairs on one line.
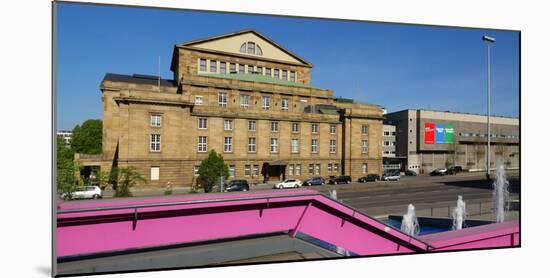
[[449, 134]]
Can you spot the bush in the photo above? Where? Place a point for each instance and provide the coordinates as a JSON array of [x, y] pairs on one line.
[[211, 169], [127, 177]]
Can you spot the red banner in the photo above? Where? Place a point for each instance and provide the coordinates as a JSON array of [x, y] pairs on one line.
[[429, 133]]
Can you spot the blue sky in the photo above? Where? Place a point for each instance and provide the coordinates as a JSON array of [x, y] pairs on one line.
[[392, 65]]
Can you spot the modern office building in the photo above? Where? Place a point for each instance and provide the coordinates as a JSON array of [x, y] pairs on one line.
[[389, 160], [428, 139], [246, 97]]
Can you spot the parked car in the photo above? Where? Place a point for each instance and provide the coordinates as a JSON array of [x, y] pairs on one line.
[[369, 177], [314, 181], [237, 185], [438, 172], [456, 169], [410, 173], [340, 179], [84, 192], [391, 175], [288, 184]]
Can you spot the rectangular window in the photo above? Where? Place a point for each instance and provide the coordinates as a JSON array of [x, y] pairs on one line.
[[335, 167], [386, 133], [155, 173], [274, 145], [332, 148], [314, 128], [202, 144], [251, 47], [203, 65], [298, 169], [228, 144], [250, 69], [293, 76], [227, 124], [364, 168], [386, 143], [259, 70], [284, 105], [329, 167], [274, 126], [255, 171], [332, 129], [196, 170], [317, 169], [251, 125], [203, 123], [223, 67], [310, 169], [291, 170], [285, 75], [232, 170], [276, 73], [222, 99], [295, 146], [364, 146], [213, 66], [268, 71], [364, 129], [314, 145], [244, 101], [155, 143], [241, 69], [156, 120], [247, 170], [295, 127], [232, 68], [198, 100], [251, 144], [265, 103]]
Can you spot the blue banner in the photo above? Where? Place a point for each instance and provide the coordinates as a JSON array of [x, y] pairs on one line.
[[440, 134]]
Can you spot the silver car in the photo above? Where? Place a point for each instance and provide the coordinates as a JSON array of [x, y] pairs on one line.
[[391, 176], [85, 192]]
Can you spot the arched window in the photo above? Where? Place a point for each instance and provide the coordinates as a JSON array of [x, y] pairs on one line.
[[251, 48], [259, 50], [243, 48]]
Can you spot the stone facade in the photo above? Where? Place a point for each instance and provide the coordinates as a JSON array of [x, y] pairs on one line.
[[209, 105]]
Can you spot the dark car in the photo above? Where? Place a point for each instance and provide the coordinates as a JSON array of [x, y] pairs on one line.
[[457, 169], [340, 179], [369, 177], [237, 185], [314, 181], [438, 172], [410, 173]]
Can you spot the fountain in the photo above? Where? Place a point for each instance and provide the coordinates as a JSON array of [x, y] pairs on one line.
[[459, 214], [500, 192], [409, 224], [333, 194]]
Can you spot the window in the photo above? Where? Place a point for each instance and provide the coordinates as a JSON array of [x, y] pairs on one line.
[[203, 123], [295, 127], [274, 126], [386, 133], [223, 67], [232, 68], [335, 167], [332, 129], [291, 169], [251, 125], [268, 71], [259, 70], [298, 170], [386, 143], [250, 69], [284, 105], [155, 143], [203, 65], [213, 66], [329, 167], [310, 169], [364, 168], [232, 170], [317, 169], [393, 133], [198, 100], [285, 75], [156, 120], [393, 143], [251, 144], [332, 146], [227, 124], [364, 146], [364, 129], [314, 128], [222, 99], [295, 146], [155, 173], [241, 69], [202, 144], [293, 76], [247, 170], [276, 73], [274, 145], [314, 144], [196, 170], [228, 144], [265, 103], [244, 101], [255, 171], [251, 48]]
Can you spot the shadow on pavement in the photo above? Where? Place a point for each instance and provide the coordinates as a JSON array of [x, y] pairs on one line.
[[486, 184]]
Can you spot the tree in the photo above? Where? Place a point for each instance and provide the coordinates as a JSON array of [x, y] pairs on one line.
[[127, 177], [211, 169], [87, 138], [65, 168]]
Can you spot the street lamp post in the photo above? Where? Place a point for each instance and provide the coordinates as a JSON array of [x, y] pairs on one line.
[[489, 41]]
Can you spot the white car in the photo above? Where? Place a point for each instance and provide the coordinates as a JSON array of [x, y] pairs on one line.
[[85, 192], [288, 184]]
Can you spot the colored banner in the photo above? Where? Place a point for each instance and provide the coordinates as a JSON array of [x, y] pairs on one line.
[[439, 134], [429, 129], [449, 134]]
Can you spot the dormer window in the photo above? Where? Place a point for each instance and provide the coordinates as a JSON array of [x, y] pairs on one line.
[[251, 48]]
